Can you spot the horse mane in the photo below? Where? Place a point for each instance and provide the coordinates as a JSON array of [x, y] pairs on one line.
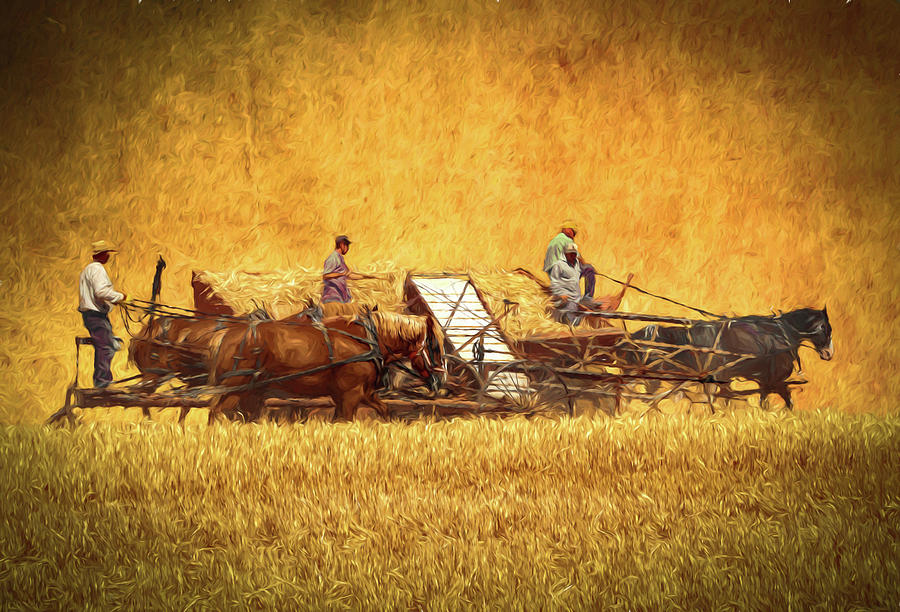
[[403, 327], [437, 333], [796, 318], [344, 309], [409, 328]]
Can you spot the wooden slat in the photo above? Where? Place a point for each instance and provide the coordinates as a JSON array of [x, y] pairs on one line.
[[455, 304]]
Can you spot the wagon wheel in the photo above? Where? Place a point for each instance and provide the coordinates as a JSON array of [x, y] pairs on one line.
[[463, 378], [528, 387], [601, 391]]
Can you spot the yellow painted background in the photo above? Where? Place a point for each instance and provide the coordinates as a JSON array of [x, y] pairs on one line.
[[734, 155]]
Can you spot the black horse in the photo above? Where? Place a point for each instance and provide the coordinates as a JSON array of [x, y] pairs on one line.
[[758, 348]]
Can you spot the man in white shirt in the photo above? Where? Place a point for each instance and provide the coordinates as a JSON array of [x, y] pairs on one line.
[[555, 253], [565, 285], [95, 295]]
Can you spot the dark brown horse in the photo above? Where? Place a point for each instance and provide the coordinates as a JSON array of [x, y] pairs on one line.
[[177, 346], [758, 348], [342, 357]]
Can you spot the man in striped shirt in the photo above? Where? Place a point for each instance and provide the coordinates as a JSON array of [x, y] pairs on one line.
[[336, 273]]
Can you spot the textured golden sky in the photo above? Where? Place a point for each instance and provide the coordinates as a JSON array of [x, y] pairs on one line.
[[739, 156]]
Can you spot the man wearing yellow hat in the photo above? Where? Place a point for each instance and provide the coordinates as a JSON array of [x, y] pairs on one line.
[[95, 295], [556, 253]]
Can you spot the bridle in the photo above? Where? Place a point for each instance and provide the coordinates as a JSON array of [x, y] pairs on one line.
[[422, 351], [803, 336]]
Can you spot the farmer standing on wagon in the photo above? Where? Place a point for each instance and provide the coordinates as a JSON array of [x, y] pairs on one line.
[[337, 273], [95, 295], [555, 253]]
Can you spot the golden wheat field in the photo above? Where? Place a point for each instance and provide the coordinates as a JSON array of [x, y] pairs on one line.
[[736, 156], [777, 511]]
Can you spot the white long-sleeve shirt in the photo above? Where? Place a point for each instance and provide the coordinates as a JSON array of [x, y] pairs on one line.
[[565, 279], [95, 290]]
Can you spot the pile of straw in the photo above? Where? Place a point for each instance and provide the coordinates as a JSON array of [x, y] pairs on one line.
[[285, 292], [288, 291]]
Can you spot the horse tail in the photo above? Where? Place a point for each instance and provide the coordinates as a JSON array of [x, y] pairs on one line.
[[139, 347], [215, 346]]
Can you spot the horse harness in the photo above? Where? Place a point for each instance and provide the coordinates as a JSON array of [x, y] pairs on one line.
[[162, 339], [373, 354], [381, 362], [803, 336]]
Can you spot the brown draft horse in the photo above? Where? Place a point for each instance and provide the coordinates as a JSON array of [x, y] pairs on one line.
[[342, 358], [177, 346], [170, 346]]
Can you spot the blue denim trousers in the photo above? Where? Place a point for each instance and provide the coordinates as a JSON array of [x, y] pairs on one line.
[[98, 325]]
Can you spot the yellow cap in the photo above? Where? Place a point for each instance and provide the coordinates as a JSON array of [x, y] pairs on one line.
[[570, 223]]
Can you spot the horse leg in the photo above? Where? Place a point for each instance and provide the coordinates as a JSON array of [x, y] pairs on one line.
[[378, 404], [258, 409], [764, 397], [724, 391], [709, 389], [214, 411], [346, 403], [250, 406], [220, 406], [148, 384], [651, 385], [300, 415], [785, 394]]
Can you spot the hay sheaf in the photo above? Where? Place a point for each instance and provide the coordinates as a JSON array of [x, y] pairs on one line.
[[284, 292], [519, 301]]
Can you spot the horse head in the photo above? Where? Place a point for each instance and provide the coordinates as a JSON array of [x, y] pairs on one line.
[[426, 355], [813, 326], [412, 338], [823, 342]]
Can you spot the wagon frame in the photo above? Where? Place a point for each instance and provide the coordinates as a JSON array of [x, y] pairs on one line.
[[533, 375]]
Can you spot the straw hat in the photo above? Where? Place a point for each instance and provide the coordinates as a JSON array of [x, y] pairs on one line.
[[101, 246], [572, 223], [570, 248]]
